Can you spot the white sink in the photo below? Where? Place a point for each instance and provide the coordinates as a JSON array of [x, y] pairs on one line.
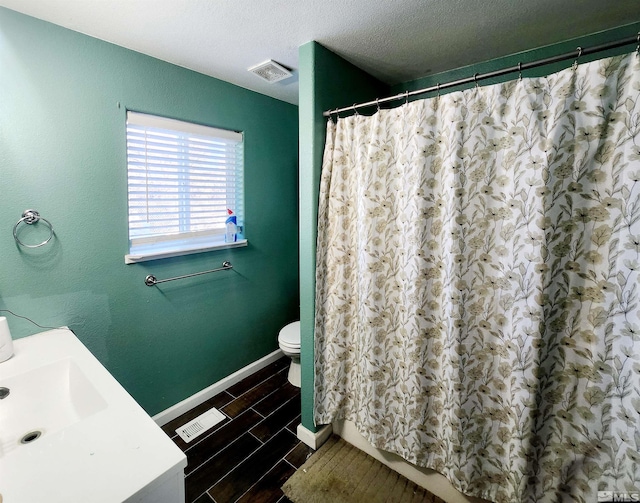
[[70, 433], [43, 401]]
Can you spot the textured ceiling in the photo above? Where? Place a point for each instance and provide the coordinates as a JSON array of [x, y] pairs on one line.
[[394, 40]]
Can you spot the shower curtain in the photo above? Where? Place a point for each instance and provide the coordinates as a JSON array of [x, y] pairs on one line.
[[477, 283]]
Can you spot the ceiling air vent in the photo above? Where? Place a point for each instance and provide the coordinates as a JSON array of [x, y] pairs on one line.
[[271, 71]]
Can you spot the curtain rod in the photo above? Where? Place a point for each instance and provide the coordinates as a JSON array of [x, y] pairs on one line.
[[497, 73]]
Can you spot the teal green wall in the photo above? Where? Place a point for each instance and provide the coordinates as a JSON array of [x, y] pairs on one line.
[[63, 98], [326, 81], [526, 57]]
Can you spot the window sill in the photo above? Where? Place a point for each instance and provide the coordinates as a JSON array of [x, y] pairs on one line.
[[144, 257]]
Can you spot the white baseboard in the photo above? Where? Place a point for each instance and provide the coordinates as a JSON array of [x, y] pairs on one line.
[[189, 403], [314, 440]]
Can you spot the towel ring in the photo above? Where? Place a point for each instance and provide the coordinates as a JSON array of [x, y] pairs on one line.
[[31, 217]]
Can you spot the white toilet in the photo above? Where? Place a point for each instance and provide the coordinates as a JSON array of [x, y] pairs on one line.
[[289, 341]]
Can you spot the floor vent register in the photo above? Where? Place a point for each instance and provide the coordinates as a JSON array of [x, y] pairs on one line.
[[200, 424]]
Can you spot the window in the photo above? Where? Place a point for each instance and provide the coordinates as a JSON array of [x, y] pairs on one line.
[[182, 179]]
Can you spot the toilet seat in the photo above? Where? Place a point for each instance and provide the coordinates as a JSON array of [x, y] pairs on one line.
[[289, 349], [289, 337]]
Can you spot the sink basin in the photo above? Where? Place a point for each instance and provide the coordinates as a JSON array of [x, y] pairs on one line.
[[70, 433], [44, 401]]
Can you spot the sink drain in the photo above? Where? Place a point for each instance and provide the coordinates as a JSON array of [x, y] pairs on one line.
[[30, 437]]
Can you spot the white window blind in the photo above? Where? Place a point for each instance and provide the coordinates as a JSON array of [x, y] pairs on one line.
[[182, 178]]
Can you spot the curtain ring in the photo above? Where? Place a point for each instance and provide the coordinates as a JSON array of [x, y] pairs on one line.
[[355, 110], [406, 97], [520, 71], [638, 47], [475, 79], [575, 63], [438, 89], [378, 104]]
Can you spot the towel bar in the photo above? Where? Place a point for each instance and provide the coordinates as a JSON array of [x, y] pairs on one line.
[[151, 280]]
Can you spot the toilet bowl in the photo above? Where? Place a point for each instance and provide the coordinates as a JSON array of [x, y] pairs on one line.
[[289, 341]]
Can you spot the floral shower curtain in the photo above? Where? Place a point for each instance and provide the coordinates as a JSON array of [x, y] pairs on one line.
[[477, 283]]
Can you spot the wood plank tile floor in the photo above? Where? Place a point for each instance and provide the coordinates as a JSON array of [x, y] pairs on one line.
[[248, 456]]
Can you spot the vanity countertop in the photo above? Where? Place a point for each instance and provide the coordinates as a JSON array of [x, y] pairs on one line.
[[98, 445]]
